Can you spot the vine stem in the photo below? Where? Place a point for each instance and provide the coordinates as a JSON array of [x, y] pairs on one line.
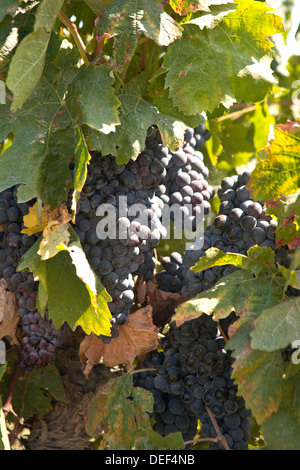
[[202, 439], [220, 438], [141, 370], [7, 406], [19, 424], [76, 36], [118, 78], [236, 114]]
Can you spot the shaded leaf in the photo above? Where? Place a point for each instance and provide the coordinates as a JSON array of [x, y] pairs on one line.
[[43, 133], [281, 431], [8, 7], [98, 5], [151, 440], [50, 379], [29, 396], [97, 102], [260, 380], [27, 64], [136, 116]]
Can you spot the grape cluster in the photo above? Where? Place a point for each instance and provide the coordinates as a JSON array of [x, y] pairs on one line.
[[240, 224], [171, 277], [192, 375], [138, 189], [186, 174], [184, 191], [133, 230], [40, 335]]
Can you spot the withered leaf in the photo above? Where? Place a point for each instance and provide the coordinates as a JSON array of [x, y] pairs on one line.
[[163, 303], [138, 336], [9, 313]]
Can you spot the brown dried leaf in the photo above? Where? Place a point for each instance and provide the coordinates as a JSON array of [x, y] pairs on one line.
[[138, 336], [9, 313], [163, 303], [140, 290]]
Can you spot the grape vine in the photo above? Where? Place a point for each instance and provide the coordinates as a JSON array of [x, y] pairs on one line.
[[149, 224]]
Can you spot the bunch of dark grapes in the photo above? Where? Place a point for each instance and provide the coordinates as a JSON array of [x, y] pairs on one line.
[[143, 184], [192, 375], [171, 277], [240, 224], [40, 335], [169, 411], [184, 185], [135, 215], [186, 174]]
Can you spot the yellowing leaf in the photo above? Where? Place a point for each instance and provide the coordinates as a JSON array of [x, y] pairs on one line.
[[54, 235], [279, 172], [37, 219]]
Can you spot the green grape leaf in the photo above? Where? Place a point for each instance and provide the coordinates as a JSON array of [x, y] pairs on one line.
[[260, 379], [33, 392], [124, 409], [8, 7], [136, 116], [277, 327], [125, 19], [209, 19], [161, 99], [259, 260], [278, 173], [254, 296], [46, 134], [69, 288], [72, 300], [228, 63], [27, 64], [262, 121], [50, 379], [38, 139], [281, 431], [46, 14], [81, 159], [151, 440], [237, 136], [97, 103], [98, 5]]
